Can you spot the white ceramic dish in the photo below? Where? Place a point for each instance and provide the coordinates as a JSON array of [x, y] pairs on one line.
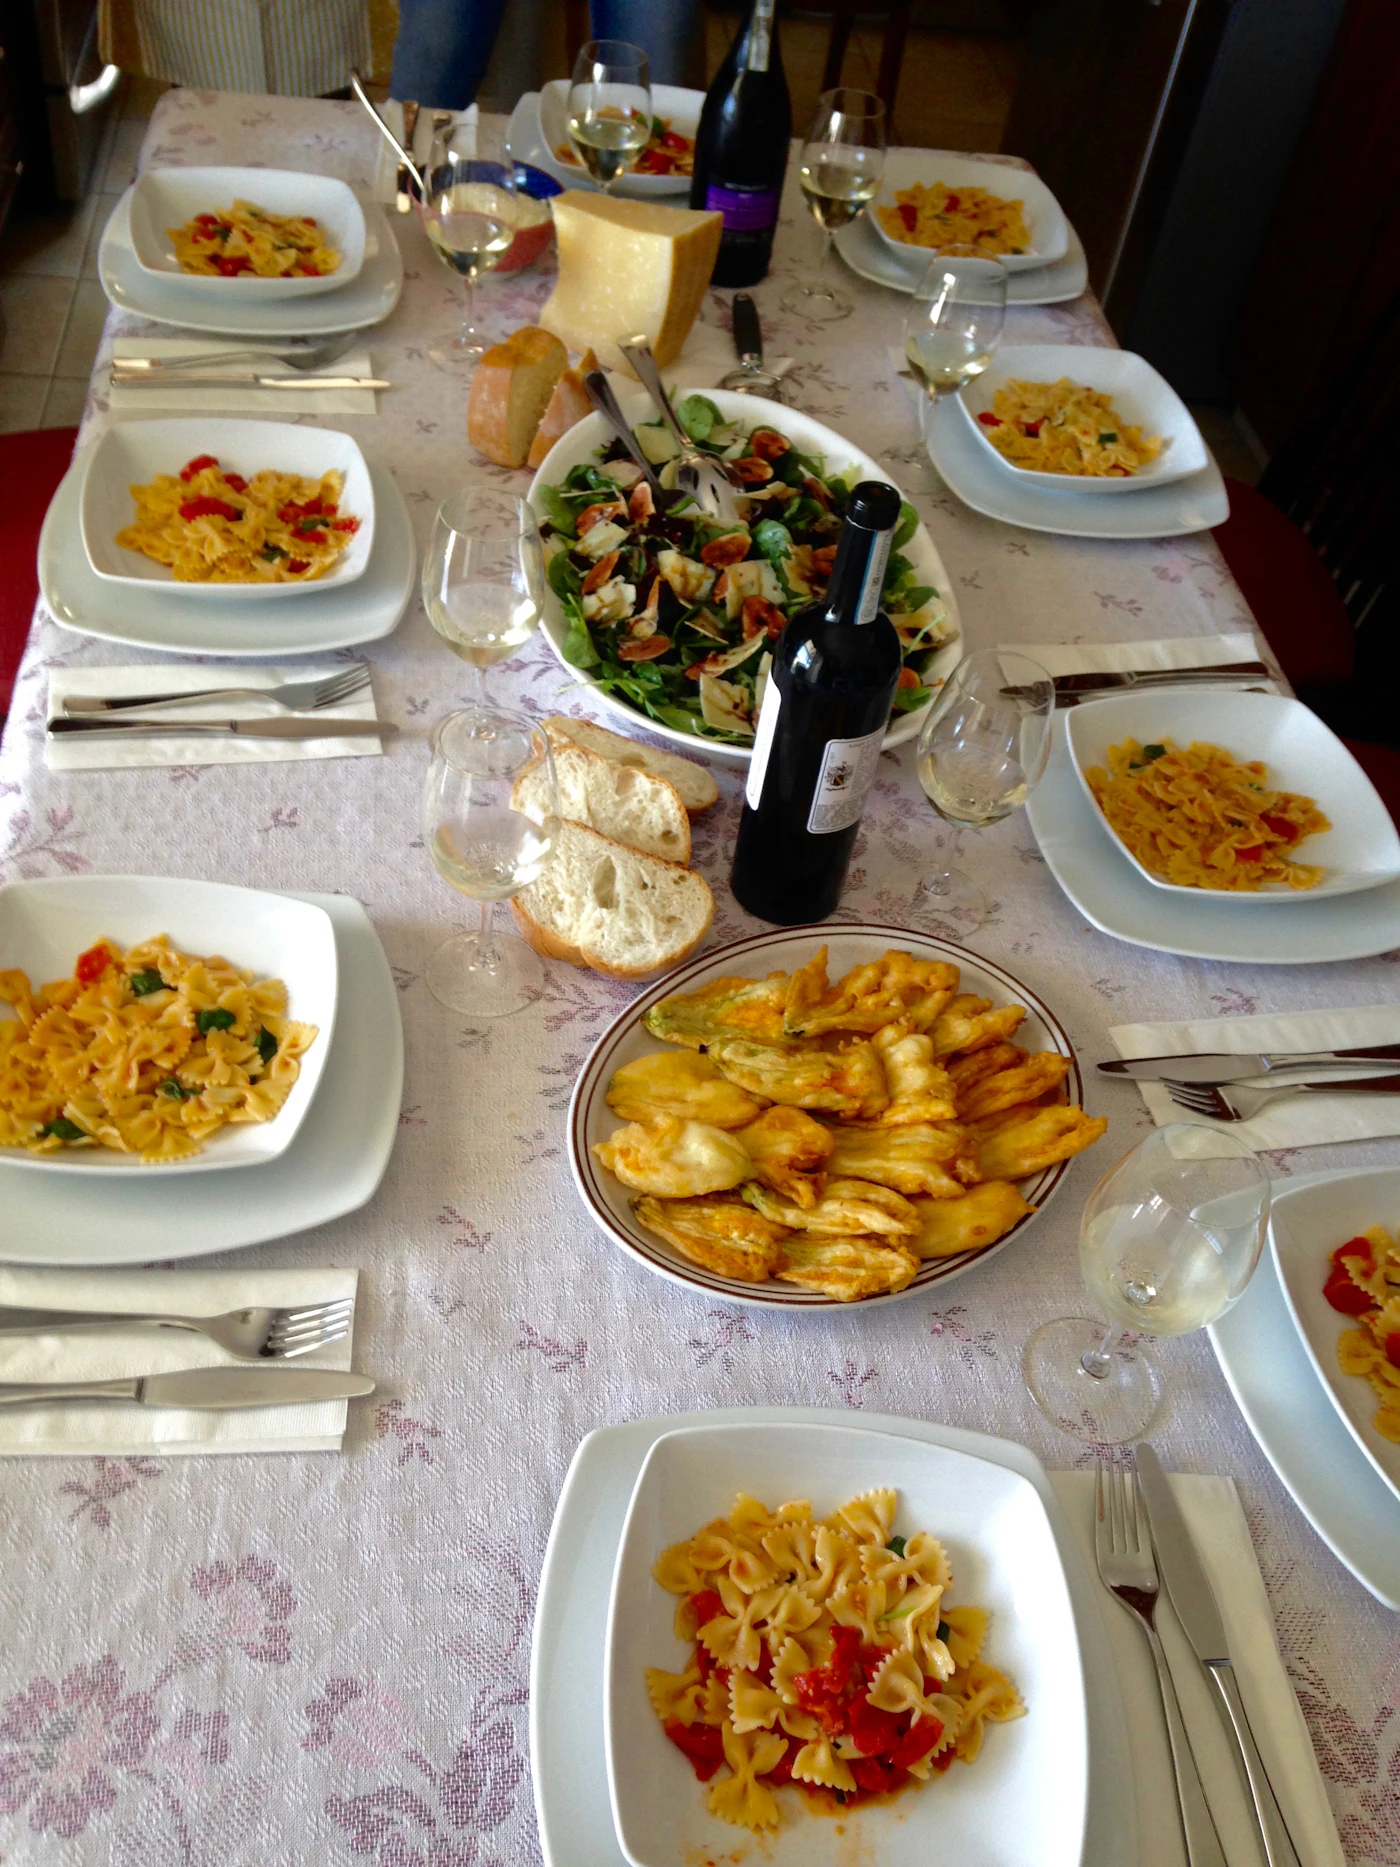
[[165, 198], [1086, 859], [1141, 397], [146, 617], [537, 128], [331, 1169], [133, 453], [982, 480], [1360, 851], [1352, 1508], [1042, 213], [367, 299], [579, 444], [1306, 1226], [567, 1656], [783, 949], [45, 925], [1024, 1801], [875, 259]]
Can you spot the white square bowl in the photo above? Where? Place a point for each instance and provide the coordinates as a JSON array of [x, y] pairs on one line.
[[132, 453], [1142, 398], [680, 107], [45, 925], [1306, 1225], [1022, 1804], [1043, 215], [1361, 850], [164, 198]]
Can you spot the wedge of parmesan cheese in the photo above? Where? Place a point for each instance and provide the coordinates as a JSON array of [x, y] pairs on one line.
[[628, 269]]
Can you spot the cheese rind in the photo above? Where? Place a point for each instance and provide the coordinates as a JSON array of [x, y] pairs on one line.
[[629, 269]]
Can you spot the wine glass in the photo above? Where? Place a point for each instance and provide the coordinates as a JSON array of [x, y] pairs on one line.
[[469, 213], [954, 322], [609, 120], [483, 578], [1168, 1241], [842, 161], [489, 839], [984, 745]]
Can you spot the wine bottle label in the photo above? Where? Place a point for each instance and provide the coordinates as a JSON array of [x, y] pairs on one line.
[[761, 37], [869, 604], [745, 210], [844, 781], [763, 742]]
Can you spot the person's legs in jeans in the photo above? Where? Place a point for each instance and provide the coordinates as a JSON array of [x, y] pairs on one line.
[[668, 31], [442, 49]]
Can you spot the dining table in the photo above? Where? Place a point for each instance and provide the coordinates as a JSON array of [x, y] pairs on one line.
[[324, 1657]]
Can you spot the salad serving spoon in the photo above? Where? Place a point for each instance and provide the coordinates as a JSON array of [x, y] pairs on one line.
[[601, 394], [696, 473]]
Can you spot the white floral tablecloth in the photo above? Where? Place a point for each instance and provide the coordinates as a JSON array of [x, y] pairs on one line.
[[324, 1659]]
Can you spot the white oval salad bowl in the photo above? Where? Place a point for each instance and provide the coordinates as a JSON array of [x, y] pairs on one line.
[[840, 458], [166, 198]]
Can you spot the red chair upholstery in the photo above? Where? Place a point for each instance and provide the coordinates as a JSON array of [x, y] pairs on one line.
[[31, 466], [1301, 613]]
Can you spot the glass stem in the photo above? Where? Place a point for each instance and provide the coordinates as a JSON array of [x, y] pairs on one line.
[[939, 884], [488, 947], [819, 278], [1097, 1363], [476, 687], [468, 337]]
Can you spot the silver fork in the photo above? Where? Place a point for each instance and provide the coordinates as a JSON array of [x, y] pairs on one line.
[[304, 358], [1236, 1104], [250, 1334], [1127, 1568], [295, 696]]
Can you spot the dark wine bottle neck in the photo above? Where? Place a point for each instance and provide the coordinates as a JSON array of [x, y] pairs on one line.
[[754, 47], [853, 595]]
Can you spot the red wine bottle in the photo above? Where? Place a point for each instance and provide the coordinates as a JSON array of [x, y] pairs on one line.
[[741, 147], [820, 728]]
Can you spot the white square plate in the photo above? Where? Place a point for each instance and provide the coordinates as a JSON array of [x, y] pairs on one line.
[[1022, 1804], [1306, 1226], [1361, 850], [1044, 217], [1141, 397], [45, 925], [165, 198], [134, 452]]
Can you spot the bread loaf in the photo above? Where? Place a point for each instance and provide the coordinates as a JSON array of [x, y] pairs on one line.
[[695, 784], [511, 388], [630, 805], [569, 404], [616, 910]]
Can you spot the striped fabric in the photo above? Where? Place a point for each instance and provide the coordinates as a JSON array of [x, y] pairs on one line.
[[288, 48]]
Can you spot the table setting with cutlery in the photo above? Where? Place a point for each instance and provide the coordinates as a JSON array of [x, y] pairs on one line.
[[1091, 1560]]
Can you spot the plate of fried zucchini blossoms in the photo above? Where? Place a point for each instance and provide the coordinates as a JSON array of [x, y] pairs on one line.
[[821, 1115]]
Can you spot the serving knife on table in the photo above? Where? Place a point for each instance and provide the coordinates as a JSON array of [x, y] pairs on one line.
[[1196, 1609], [294, 728], [1225, 1066], [205, 1389], [1101, 680], [144, 379]]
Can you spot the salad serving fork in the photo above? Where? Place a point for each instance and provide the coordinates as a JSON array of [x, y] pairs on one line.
[[696, 473], [1236, 1104], [249, 1334], [1128, 1569], [293, 696]]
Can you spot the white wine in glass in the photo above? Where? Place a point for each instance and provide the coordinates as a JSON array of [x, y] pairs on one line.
[[838, 187], [609, 109], [483, 578], [469, 213], [842, 161], [954, 323]]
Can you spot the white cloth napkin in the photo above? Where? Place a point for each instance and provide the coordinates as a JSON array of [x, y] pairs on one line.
[[707, 356], [1298, 1121], [383, 188], [1183, 651], [74, 1429], [99, 753], [239, 398], [1212, 1510]]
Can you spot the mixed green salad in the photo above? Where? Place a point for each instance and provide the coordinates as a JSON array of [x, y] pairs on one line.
[[677, 613]]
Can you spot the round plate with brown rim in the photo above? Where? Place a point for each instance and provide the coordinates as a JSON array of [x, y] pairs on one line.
[[783, 950]]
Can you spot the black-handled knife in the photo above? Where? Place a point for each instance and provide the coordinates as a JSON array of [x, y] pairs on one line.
[[748, 334]]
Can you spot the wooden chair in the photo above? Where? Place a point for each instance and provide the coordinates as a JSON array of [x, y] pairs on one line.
[[31, 466], [843, 19]]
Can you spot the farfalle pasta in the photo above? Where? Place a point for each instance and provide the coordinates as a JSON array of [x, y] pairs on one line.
[[148, 1051], [1364, 1283], [825, 1658]]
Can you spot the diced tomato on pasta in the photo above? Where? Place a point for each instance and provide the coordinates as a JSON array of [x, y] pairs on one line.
[[209, 509], [92, 964], [702, 1744], [297, 565], [197, 465]]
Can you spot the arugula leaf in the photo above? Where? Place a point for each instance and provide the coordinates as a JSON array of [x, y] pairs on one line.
[[564, 579], [788, 468], [176, 1090], [921, 593], [148, 980], [897, 569], [697, 415], [63, 1129], [773, 539], [907, 698], [907, 526], [267, 1044], [218, 1018], [579, 650], [561, 514], [658, 126], [896, 1545]]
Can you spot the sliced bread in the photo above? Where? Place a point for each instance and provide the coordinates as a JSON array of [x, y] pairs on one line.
[[613, 909], [624, 802], [568, 405], [697, 787], [511, 388]]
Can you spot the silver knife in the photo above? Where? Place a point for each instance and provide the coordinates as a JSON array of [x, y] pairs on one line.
[[1196, 1609], [246, 380], [248, 729], [1093, 682], [403, 186], [211, 1389], [1224, 1066]]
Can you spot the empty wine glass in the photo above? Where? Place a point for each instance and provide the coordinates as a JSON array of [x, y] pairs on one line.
[[609, 120], [842, 161], [1169, 1239], [983, 746], [490, 820], [954, 322], [483, 578], [469, 213]]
